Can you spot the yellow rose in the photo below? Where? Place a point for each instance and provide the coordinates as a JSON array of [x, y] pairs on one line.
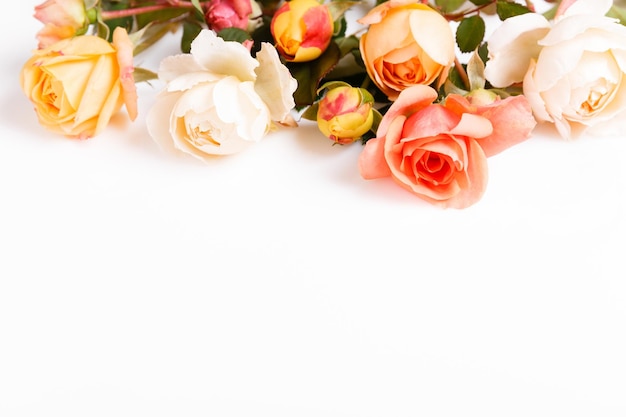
[[406, 44], [302, 30], [345, 113], [77, 84]]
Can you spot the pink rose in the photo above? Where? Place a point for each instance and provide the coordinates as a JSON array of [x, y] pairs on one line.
[[62, 19], [439, 151], [222, 14]]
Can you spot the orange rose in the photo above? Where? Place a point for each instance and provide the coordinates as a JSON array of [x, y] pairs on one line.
[[62, 19], [439, 151], [77, 84], [406, 44]]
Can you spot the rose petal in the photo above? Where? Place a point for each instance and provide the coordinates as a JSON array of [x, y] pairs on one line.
[[472, 126], [372, 164], [124, 47], [221, 57], [511, 47], [434, 34], [274, 83], [408, 102], [583, 7]]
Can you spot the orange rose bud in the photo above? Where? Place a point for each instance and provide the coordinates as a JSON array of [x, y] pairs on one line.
[[302, 30], [62, 19], [345, 114]]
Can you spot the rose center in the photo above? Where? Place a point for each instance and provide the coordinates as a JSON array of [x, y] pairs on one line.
[[405, 73], [434, 168], [597, 97], [594, 83], [199, 132]]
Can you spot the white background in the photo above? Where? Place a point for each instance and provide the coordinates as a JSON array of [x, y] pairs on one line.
[[277, 282]]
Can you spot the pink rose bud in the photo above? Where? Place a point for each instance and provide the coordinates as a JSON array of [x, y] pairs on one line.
[[62, 19], [345, 114], [222, 14], [302, 30]]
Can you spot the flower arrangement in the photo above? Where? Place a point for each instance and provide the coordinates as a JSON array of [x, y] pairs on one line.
[[397, 84]]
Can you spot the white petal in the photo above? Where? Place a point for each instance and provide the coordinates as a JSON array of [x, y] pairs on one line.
[[601, 27], [158, 120], [512, 46], [274, 83], [189, 80], [589, 7], [221, 57], [177, 65], [532, 93], [240, 105]]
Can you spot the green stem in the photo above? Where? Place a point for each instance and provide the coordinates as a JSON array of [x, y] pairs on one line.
[[116, 14], [457, 16]]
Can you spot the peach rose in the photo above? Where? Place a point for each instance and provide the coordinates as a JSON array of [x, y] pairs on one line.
[[62, 19], [439, 151], [77, 84], [406, 44]]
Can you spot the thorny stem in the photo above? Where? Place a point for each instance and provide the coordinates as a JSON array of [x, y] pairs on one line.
[[115, 14]]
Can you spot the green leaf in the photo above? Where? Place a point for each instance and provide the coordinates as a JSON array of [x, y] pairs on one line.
[[507, 9], [448, 6], [470, 33], [143, 75], [311, 112], [480, 2], [338, 8], [455, 79], [339, 27], [234, 34], [150, 34], [196, 4], [164, 15], [476, 72], [483, 52], [310, 74], [190, 31], [618, 13], [347, 44], [332, 84]]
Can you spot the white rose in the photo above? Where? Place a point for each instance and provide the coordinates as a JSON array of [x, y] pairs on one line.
[[573, 70], [218, 99]]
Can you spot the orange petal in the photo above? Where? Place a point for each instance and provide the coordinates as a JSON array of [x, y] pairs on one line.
[[372, 164]]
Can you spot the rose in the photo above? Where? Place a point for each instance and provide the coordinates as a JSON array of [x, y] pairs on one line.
[[222, 14], [302, 30], [573, 71], [439, 151], [62, 19], [218, 99], [77, 84], [406, 44], [345, 113]]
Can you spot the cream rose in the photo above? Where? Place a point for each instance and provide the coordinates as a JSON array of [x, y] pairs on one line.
[[219, 99], [573, 69]]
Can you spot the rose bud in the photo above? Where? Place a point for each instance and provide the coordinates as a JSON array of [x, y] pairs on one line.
[[222, 14], [62, 19], [345, 114], [302, 30]]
